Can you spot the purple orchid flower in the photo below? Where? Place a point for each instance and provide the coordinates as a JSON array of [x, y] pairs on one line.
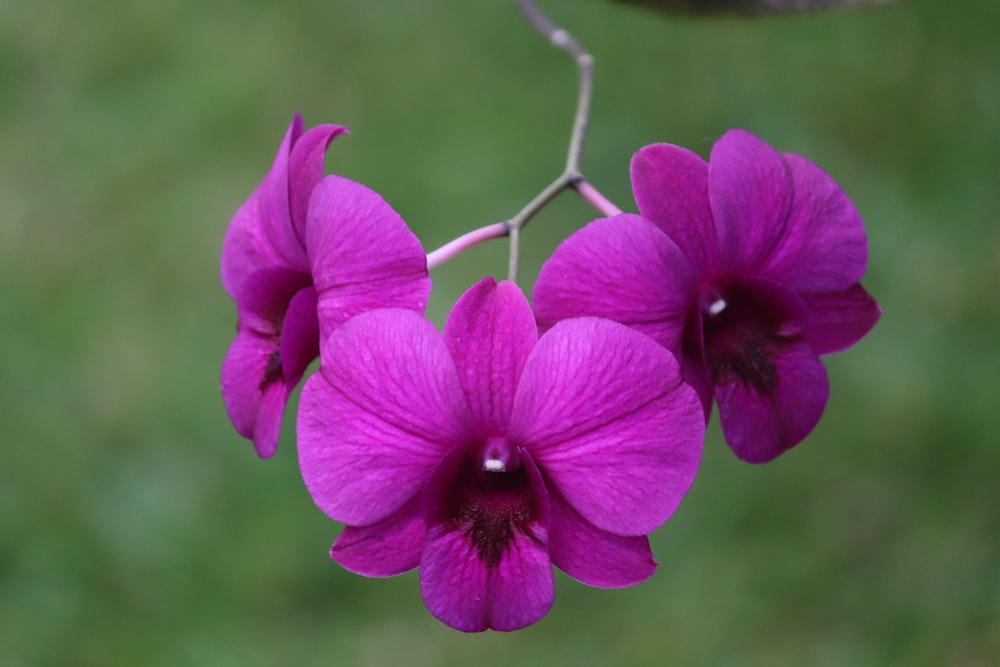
[[747, 268], [487, 455], [303, 254]]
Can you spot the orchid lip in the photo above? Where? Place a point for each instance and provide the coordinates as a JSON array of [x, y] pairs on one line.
[[745, 334], [489, 505]]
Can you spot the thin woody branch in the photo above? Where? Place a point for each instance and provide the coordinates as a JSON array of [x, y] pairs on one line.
[[571, 177]]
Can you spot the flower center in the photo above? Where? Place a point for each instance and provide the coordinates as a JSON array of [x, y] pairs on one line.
[[490, 498], [498, 455], [743, 328]]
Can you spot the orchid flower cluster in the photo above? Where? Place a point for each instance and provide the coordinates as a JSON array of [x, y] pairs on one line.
[[560, 434]]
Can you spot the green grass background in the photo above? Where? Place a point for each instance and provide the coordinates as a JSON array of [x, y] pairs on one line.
[[136, 528]]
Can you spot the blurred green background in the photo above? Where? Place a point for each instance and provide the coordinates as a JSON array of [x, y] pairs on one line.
[[136, 528]]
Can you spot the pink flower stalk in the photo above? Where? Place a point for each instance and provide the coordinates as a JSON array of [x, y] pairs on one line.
[[747, 268], [488, 455], [303, 254]]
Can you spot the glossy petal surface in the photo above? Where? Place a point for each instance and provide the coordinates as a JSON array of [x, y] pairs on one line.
[[490, 333], [299, 336], [839, 320], [670, 185], [621, 268], [597, 396], [823, 247], [594, 556], [385, 408], [254, 398], [750, 193], [305, 171], [261, 233], [363, 254], [387, 548]]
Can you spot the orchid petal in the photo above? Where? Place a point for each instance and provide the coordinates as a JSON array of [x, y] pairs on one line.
[[305, 171], [274, 204], [670, 185], [254, 404], [694, 368], [760, 426], [270, 412], [750, 192], [248, 244], [622, 268], [823, 247], [461, 591], [596, 395], [838, 321], [244, 248], [384, 549], [490, 333], [299, 336], [264, 297], [468, 591], [276, 341], [261, 232], [363, 254], [594, 556], [385, 407]]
